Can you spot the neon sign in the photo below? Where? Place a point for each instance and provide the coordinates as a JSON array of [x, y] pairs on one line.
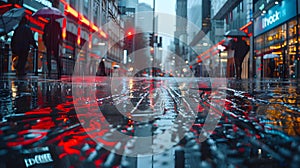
[[267, 21], [275, 16]]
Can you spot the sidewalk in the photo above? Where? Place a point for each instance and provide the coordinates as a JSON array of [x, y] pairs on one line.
[[40, 76]]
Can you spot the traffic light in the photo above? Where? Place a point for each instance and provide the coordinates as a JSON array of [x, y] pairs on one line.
[[159, 44], [128, 40], [152, 39], [128, 43], [152, 51], [130, 34]]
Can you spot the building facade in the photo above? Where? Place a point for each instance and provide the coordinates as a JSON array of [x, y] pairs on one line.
[[228, 15], [36, 24], [84, 33], [276, 31], [89, 36]]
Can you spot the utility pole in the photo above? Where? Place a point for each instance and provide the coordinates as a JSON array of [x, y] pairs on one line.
[[154, 43]]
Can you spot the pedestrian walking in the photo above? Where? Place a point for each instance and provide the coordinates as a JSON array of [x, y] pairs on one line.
[[101, 69], [20, 45], [52, 39], [272, 67], [230, 62], [241, 48]]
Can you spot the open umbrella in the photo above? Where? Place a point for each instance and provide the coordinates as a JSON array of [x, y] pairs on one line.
[[267, 56], [235, 33], [49, 12], [228, 42], [10, 19]]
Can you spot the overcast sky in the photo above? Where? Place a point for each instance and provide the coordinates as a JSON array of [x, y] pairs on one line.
[[164, 6]]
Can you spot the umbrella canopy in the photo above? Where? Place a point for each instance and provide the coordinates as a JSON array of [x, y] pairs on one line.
[[228, 42], [267, 56], [49, 12], [235, 33], [10, 19], [116, 66]]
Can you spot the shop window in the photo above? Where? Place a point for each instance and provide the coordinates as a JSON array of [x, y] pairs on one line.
[[299, 26], [259, 42], [292, 28]]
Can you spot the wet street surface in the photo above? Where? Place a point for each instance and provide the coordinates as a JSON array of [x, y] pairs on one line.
[[144, 122]]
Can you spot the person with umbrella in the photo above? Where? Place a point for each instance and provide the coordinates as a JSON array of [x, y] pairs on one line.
[[272, 67], [52, 36], [241, 48], [52, 39], [101, 69], [20, 45]]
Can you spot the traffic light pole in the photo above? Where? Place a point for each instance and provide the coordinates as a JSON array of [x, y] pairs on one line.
[[154, 45]]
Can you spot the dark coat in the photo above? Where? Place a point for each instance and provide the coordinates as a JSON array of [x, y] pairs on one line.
[[101, 69], [241, 49], [22, 39], [52, 35]]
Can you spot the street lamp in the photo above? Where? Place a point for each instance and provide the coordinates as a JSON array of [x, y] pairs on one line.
[[186, 61]]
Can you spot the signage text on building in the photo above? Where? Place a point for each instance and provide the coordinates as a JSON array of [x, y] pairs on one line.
[[267, 21]]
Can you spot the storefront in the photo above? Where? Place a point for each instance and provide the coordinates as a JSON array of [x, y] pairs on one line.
[[37, 26], [275, 34]]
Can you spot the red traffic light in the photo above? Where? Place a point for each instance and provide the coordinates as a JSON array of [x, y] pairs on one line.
[[130, 32]]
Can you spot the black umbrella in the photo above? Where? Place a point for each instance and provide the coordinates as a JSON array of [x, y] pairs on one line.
[[228, 42], [235, 33], [49, 12], [10, 19]]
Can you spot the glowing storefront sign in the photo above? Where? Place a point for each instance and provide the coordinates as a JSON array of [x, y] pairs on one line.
[[267, 21], [275, 16]]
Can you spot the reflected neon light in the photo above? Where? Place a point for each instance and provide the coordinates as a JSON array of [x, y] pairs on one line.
[[64, 28], [84, 20], [72, 11], [5, 6], [78, 36], [43, 19], [94, 27], [103, 34]]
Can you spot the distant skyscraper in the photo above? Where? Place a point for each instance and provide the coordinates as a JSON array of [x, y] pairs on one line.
[[181, 28], [144, 20]]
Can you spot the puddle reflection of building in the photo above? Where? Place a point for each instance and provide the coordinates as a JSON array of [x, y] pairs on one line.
[[51, 93], [23, 97], [6, 105]]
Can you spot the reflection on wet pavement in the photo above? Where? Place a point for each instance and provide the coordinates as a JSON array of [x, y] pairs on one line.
[[48, 123]]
